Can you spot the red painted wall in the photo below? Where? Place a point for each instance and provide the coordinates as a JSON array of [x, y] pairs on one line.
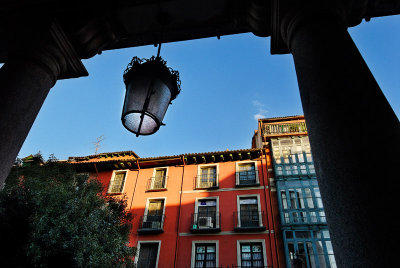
[[176, 240]]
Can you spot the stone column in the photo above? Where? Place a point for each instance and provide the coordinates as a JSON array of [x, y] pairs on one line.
[[25, 80], [354, 136]]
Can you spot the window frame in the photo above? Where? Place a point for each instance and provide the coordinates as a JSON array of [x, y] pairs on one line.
[[193, 257], [237, 166], [216, 198], [146, 210], [115, 172], [147, 242], [260, 220], [238, 250], [166, 178], [199, 168]]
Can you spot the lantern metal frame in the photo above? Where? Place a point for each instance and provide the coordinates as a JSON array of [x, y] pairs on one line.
[[158, 67]]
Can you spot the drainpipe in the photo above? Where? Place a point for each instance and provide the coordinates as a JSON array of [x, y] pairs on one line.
[[270, 203], [134, 189], [179, 213]]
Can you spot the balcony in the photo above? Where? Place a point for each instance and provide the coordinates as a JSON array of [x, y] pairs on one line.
[[157, 184], [282, 129], [234, 266], [209, 222], [249, 221], [151, 224], [246, 178], [206, 181]]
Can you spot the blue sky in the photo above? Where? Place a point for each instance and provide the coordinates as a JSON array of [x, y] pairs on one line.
[[226, 85]]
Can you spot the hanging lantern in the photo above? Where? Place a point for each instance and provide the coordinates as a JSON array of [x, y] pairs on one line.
[[150, 88]]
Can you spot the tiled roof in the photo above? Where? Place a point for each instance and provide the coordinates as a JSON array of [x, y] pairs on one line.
[[104, 156], [188, 158]]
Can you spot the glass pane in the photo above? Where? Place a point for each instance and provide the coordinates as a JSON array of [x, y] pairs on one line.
[[246, 256], [310, 203], [329, 247], [311, 257], [321, 256], [246, 248], [284, 201], [201, 249], [326, 234], [210, 249], [289, 234], [317, 234], [256, 248], [303, 234], [300, 198]]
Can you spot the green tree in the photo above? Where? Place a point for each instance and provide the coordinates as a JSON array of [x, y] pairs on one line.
[[52, 217]]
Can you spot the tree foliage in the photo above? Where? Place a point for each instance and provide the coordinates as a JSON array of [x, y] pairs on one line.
[[52, 217]]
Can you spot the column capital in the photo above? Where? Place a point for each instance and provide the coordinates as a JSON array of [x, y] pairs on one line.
[[52, 51], [288, 15]]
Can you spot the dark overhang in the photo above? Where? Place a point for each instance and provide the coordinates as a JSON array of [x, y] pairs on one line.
[[94, 26]]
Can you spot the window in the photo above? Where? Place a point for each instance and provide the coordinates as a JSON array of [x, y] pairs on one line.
[[204, 254], [249, 214], [300, 202], [117, 182], [159, 179], [148, 254], [309, 249], [207, 178], [206, 213], [251, 253], [246, 173], [153, 219]]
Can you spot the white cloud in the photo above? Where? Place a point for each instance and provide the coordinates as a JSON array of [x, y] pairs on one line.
[[261, 111]]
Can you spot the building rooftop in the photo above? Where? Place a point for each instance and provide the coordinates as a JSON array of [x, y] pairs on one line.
[[130, 160]]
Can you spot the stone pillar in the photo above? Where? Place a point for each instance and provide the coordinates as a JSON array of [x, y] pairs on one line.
[[354, 136], [25, 80]]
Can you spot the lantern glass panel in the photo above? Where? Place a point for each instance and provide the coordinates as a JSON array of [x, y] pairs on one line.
[[135, 100]]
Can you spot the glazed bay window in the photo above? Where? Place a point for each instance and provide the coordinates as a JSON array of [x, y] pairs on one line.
[[251, 255], [207, 178], [158, 181], [205, 255], [246, 174], [117, 182], [300, 202]]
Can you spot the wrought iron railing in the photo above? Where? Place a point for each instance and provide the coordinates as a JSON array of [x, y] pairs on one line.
[[205, 220], [151, 222], [276, 129], [252, 266], [247, 177], [206, 181], [157, 183], [248, 219]]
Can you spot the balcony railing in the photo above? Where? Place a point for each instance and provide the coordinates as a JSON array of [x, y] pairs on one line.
[[288, 128], [249, 220], [157, 183], [246, 178], [206, 222], [251, 266], [151, 224], [205, 181]]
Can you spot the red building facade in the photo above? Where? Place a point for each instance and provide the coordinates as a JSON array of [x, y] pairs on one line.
[[215, 209]]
